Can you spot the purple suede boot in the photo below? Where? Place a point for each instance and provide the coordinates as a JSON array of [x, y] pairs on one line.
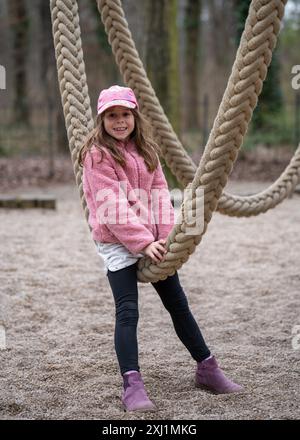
[[134, 396], [209, 376]]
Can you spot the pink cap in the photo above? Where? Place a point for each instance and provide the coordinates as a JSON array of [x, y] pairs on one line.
[[116, 95]]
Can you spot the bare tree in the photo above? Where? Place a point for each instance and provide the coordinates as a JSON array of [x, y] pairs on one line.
[[55, 121], [221, 41], [161, 58], [192, 49], [162, 54], [19, 27]]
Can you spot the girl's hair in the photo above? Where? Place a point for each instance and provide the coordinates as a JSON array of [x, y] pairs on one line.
[[141, 135]]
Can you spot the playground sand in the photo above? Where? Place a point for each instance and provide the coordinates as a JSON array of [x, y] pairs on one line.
[[57, 319]]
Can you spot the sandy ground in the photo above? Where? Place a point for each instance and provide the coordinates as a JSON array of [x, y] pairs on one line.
[[243, 286]]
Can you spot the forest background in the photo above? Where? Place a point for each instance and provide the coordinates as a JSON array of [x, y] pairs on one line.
[[187, 47]]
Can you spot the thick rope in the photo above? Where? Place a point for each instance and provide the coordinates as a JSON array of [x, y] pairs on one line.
[[245, 83], [282, 188], [240, 98], [174, 153], [72, 81]]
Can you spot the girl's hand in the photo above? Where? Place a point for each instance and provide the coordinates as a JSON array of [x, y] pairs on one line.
[[156, 250]]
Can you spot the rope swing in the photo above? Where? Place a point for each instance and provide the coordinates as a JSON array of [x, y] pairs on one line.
[[239, 100]]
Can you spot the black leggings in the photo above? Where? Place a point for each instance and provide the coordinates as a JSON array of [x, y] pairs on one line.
[[123, 283]]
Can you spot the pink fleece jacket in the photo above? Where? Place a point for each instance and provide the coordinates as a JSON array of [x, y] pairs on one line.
[[147, 219]]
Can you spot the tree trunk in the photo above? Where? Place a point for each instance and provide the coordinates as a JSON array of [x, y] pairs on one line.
[[47, 76], [162, 61], [20, 27], [221, 46], [162, 54], [104, 50], [191, 67]]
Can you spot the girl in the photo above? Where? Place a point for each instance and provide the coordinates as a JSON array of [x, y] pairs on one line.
[[118, 153]]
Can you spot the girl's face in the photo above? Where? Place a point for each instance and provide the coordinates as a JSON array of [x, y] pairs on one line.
[[119, 122]]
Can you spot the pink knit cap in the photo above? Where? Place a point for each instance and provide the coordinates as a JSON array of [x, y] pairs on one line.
[[116, 95]]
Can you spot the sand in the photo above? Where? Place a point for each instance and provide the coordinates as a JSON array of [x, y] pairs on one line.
[[57, 311]]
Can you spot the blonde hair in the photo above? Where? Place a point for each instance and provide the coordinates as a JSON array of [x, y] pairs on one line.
[[141, 135]]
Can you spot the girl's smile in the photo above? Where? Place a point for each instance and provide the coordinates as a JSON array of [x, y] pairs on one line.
[[119, 122]]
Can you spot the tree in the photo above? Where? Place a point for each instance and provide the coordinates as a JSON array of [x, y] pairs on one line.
[[191, 63], [161, 57], [19, 28], [55, 123], [104, 49], [162, 60]]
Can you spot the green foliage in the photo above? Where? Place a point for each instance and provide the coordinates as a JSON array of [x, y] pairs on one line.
[[277, 130], [3, 151], [270, 100], [241, 8]]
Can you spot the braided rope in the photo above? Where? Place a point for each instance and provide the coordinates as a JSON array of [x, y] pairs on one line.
[[174, 153], [259, 203], [240, 98], [72, 81]]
